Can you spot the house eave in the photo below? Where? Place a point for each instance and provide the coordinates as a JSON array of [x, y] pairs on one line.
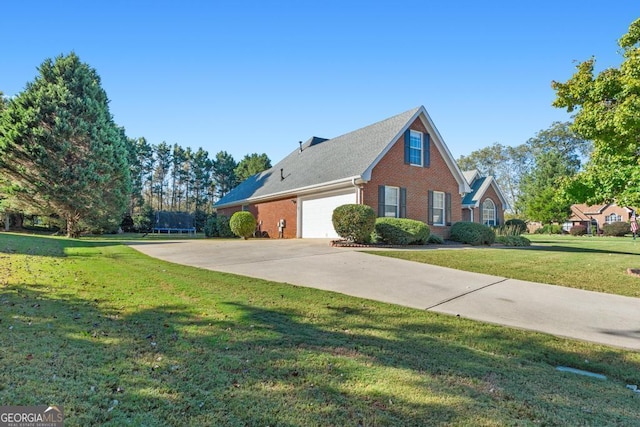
[[301, 191]]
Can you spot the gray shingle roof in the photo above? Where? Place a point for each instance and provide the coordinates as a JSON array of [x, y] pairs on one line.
[[323, 161]]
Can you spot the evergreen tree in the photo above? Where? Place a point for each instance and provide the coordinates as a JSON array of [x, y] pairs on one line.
[[60, 146], [224, 173], [250, 165]]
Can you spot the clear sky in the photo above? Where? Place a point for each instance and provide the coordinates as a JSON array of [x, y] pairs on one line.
[[258, 76]]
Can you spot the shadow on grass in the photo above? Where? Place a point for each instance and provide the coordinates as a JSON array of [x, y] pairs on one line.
[[25, 244], [248, 365], [570, 249]]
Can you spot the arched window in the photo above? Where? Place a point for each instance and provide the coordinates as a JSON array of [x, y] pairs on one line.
[[488, 212], [614, 217]]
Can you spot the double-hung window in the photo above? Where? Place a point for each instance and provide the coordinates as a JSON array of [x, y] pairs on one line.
[[391, 202], [415, 148], [438, 208]]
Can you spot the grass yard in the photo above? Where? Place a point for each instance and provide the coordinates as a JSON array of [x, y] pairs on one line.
[[593, 263], [118, 338]]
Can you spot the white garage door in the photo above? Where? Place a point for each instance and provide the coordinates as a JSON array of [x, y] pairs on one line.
[[316, 214]]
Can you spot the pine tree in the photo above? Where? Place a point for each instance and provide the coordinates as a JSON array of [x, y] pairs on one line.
[[60, 147]]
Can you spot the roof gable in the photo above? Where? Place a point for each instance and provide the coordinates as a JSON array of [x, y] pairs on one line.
[[479, 186], [320, 163]]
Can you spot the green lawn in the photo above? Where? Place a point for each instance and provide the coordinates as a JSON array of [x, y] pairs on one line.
[[118, 338], [593, 263]]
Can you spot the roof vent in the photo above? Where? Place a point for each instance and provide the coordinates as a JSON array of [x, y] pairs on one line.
[[281, 174]]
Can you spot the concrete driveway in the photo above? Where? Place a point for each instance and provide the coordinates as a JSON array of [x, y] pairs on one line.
[[591, 316]]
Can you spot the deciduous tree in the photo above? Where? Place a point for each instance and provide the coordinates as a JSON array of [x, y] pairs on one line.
[[607, 111]]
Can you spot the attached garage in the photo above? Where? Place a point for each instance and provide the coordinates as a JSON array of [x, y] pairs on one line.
[[315, 213]]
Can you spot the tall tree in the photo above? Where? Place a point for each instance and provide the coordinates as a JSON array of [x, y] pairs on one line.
[[201, 169], [177, 161], [540, 199], [607, 111], [161, 171], [60, 146], [140, 167], [250, 165], [558, 154], [224, 173]]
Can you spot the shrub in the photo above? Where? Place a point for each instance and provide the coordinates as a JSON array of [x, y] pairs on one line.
[[578, 230], [242, 224], [518, 225], [513, 240], [472, 233], [401, 231], [618, 229], [434, 239], [550, 229], [354, 222], [222, 225], [211, 226]]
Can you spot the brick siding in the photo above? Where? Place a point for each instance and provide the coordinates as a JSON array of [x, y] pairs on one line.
[[392, 171]]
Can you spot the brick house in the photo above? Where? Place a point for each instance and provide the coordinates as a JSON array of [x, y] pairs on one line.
[[595, 216], [485, 203], [400, 167]]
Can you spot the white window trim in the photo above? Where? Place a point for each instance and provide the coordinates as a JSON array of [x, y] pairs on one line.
[[444, 207], [493, 213], [411, 133], [389, 204]]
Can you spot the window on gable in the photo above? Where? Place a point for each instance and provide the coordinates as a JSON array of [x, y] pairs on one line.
[[391, 202], [489, 212], [614, 217], [415, 148], [438, 208]]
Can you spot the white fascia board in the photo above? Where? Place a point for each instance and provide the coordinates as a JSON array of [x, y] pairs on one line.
[[316, 188]]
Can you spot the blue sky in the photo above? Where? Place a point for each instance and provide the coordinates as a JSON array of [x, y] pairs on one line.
[[258, 76]]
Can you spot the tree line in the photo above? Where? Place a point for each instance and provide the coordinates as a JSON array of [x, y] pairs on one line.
[[63, 156], [173, 178]]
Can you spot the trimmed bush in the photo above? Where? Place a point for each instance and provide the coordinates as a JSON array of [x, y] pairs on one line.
[[578, 230], [242, 224], [513, 241], [550, 229], [222, 225], [354, 222], [211, 226], [518, 225], [401, 231], [472, 233], [617, 229], [434, 239]]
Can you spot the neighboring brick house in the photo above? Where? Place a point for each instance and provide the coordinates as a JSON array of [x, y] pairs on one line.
[[400, 167], [595, 216], [485, 203]]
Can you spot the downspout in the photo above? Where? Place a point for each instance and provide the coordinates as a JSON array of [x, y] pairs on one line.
[[358, 191]]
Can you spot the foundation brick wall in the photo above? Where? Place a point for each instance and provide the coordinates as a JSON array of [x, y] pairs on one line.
[[270, 213]]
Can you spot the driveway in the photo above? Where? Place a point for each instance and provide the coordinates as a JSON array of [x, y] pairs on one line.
[[608, 319]]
